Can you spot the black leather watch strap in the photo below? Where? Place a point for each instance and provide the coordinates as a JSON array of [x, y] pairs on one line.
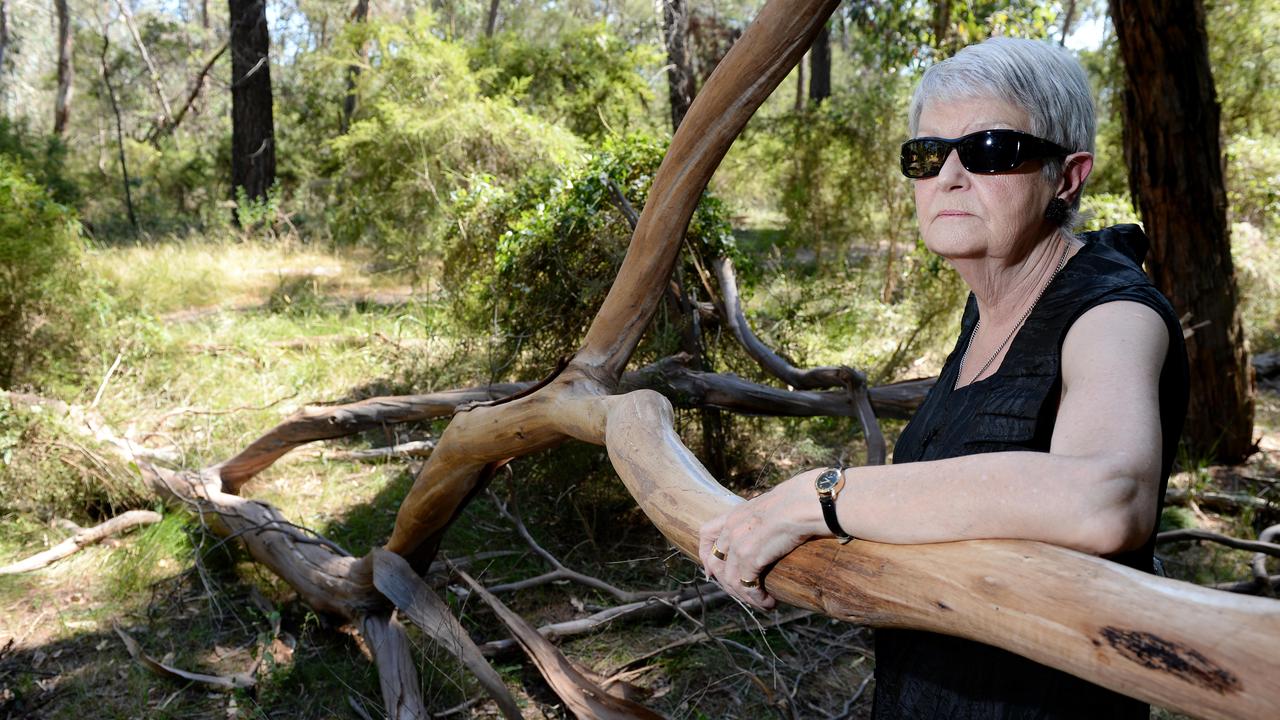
[[829, 514]]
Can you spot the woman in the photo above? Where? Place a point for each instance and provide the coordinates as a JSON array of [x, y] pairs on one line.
[[1054, 419]]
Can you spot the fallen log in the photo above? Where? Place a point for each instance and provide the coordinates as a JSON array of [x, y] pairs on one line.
[[83, 537]]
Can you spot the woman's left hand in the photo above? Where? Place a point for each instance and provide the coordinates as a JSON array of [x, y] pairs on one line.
[[757, 533]]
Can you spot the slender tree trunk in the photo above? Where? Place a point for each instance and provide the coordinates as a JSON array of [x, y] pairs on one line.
[[156, 86], [253, 152], [359, 15], [675, 25], [62, 101], [4, 38], [941, 22], [491, 23], [1173, 150], [820, 67], [800, 82], [204, 14], [1068, 17], [115, 109]]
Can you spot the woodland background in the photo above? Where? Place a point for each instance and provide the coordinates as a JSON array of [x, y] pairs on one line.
[[428, 204]]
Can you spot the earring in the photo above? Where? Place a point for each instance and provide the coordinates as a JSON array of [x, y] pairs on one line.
[[1057, 211]]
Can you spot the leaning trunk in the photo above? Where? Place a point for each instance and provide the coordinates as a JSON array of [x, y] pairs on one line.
[[62, 101], [675, 23], [820, 67], [1173, 151], [253, 152], [359, 15]]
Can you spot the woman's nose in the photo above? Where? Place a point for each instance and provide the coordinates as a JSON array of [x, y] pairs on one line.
[[953, 173]]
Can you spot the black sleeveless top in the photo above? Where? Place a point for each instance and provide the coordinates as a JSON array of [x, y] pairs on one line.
[[927, 675]]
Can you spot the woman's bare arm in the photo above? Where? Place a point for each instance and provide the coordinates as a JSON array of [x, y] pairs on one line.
[[1094, 491]]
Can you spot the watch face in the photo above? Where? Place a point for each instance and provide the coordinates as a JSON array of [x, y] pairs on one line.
[[827, 481]]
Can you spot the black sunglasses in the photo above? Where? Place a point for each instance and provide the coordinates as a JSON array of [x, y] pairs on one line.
[[986, 151]]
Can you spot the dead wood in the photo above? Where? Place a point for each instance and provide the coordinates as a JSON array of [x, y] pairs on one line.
[[708, 596], [1259, 562], [83, 537], [226, 683], [560, 572], [584, 698], [394, 578], [414, 449], [1228, 502], [397, 675], [854, 382], [1265, 548], [323, 423]]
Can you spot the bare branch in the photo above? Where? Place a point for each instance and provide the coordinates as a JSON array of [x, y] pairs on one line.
[[83, 538]]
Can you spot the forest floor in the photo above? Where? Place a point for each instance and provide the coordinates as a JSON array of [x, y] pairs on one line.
[[226, 340]]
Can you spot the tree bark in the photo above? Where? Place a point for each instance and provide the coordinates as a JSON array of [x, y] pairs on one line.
[[62, 100], [491, 22], [4, 38], [820, 67], [253, 151], [675, 24], [1173, 150], [115, 109], [359, 15]]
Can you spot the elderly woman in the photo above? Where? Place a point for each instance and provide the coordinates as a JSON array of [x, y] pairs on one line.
[[1056, 416]]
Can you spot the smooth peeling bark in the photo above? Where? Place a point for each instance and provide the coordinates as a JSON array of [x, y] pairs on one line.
[[1198, 651]]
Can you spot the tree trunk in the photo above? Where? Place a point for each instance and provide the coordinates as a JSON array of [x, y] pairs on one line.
[[1068, 18], [820, 67], [1172, 147], [253, 152], [800, 82], [359, 15], [115, 109], [62, 101], [4, 40], [491, 23], [941, 22], [675, 24]]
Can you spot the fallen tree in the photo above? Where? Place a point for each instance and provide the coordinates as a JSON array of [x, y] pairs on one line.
[[1199, 651]]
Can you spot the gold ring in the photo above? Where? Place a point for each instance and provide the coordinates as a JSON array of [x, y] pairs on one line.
[[750, 583], [720, 554]]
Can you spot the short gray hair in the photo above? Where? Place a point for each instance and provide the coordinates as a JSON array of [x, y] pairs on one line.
[[1042, 78]]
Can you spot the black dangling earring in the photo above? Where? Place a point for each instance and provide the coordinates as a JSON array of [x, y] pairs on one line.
[[1057, 211]]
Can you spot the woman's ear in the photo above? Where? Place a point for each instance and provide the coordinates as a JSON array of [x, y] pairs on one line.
[[1075, 170]]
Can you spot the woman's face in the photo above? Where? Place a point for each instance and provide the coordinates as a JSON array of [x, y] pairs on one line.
[[965, 215]]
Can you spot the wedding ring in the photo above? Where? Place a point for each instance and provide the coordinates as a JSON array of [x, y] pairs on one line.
[[750, 583], [720, 554]]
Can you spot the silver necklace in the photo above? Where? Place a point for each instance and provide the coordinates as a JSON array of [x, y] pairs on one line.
[[1061, 262]]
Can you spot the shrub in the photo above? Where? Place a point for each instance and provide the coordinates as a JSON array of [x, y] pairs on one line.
[[424, 131], [530, 265], [45, 300], [587, 79]]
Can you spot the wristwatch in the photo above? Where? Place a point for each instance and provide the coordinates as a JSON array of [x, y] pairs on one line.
[[829, 484]]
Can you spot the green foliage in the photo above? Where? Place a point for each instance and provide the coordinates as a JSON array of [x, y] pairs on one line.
[[531, 265], [839, 161], [1253, 180], [46, 301], [424, 131], [586, 79], [1246, 61], [43, 158], [1100, 210], [44, 476]]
